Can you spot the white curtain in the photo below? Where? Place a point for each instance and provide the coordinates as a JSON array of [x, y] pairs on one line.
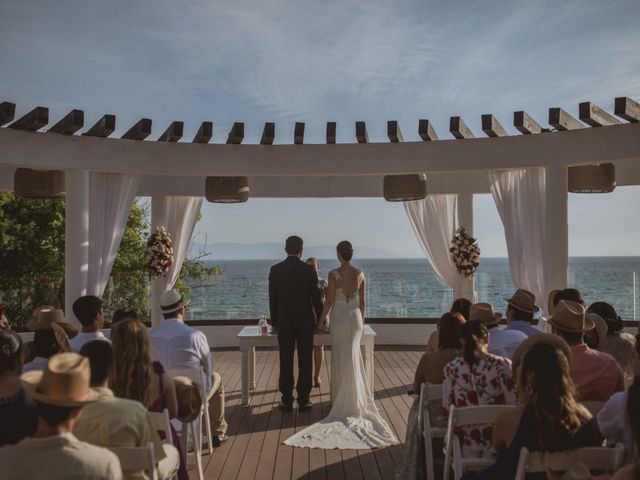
[[180, 219], [110, 198], [519, 196], [434, 222]]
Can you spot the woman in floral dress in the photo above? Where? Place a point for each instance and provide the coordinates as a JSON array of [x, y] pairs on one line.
[[477, 378]]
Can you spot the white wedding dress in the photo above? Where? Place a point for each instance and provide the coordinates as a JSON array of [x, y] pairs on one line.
[[354, 421]]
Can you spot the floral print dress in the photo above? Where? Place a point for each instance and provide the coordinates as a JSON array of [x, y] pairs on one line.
[[488, 382]]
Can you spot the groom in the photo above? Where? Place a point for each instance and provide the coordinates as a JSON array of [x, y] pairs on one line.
[[295, 306]]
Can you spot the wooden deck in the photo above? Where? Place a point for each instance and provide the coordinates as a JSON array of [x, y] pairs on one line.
[[255, 450]]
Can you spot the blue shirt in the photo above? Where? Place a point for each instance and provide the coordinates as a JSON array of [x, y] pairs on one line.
[[523, 326]]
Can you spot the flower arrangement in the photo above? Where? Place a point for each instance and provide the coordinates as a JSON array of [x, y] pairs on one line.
[[158, 257], [465, 252]]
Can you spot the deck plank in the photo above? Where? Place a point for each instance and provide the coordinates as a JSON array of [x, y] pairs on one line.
[[255, 449]]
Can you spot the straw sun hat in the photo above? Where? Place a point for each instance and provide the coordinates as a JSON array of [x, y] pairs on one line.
[[485, 313], [63, 383], [571, 316], [45, 317], [523, 300]]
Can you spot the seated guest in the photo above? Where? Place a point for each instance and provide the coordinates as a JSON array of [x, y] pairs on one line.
[[122, 314], [461, 306], [430, 371], [619, 344], [595, 337], [88, 311], [178, 346], [430, 367], [549, 417], [53, 452], [631, 413], [477, 378], [596, 375], [118, 422], [501, 342], [520, 310], [136, 377], [47, 340], [613, 419], [18, 416]]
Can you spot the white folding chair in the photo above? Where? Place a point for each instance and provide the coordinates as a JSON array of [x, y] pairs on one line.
[[461, 417], [594, 458], [137, 458], [593, 406], [195, 427], [429, 393], [162, 423]]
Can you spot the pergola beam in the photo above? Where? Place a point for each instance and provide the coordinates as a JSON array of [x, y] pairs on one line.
[[459, 129], [576, 147], [32, 121], [103, 127], [491, 126], [393, 132], [236, 134], [628, 109], [268, 134], [7, 112], [204, 133], [298, 133], [525, 123], [426, 130], [361, 132], [593, 115], [562, 120], [70, 124], [140, 131], [173, 133]]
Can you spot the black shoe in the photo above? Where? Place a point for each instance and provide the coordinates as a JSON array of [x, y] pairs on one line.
[[285, 407], [304, 406], [218, 439]]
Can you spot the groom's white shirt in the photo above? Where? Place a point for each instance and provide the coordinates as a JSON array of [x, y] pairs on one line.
[[178, 346]]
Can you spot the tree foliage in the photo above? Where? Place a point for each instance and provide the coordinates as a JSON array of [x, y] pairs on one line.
[[32, 259]]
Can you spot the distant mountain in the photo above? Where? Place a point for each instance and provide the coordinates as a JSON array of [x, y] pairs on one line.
[[274, 250]]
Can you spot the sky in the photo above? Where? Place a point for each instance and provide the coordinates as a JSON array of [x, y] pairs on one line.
[[286, 61]]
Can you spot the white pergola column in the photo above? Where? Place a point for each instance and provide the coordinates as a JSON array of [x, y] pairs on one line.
[[76, 258], [557, 229], [158, 217], [465, 219]]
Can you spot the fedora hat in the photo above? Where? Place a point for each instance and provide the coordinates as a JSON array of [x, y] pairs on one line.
[[523, 300], [571, 317], [64, 382], [171, 301], [600, 328], [551, 302], [44, 317], [485, 313], [548, 338]]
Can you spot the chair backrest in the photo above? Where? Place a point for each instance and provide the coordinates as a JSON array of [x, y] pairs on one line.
[[137, 458], [428, 393], [162, 423], [593, 406], [594, 458]]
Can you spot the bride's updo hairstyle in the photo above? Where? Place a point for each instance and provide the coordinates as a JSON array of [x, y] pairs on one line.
[[345, 249]]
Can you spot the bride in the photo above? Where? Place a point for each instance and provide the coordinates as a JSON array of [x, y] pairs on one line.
[[354, 421]]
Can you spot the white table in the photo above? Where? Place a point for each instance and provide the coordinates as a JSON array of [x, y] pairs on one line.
[[250, 338]]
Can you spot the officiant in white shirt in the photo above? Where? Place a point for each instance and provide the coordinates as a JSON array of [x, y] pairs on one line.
[[178, 346]]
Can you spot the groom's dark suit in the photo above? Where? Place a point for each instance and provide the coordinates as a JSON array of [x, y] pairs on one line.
[[295, 305]]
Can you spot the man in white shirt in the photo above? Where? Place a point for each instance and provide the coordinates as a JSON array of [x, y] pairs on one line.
[[178, 346], [88, 310], [501, 342]]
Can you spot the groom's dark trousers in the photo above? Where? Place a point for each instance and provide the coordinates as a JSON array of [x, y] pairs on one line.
[[294, 304]]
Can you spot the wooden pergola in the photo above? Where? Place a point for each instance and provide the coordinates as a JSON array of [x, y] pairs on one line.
[[169, 166]]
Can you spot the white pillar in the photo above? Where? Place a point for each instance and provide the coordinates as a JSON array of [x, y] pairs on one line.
[[556, 229], [158, 218], [465, 219], [76, 238]]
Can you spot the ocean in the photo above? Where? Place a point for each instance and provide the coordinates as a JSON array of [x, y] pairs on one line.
[[405, 288]]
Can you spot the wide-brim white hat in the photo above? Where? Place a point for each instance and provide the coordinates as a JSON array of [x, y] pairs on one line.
[[171, 301]]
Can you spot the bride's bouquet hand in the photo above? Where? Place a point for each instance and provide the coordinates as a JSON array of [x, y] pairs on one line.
[[321, 326]]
